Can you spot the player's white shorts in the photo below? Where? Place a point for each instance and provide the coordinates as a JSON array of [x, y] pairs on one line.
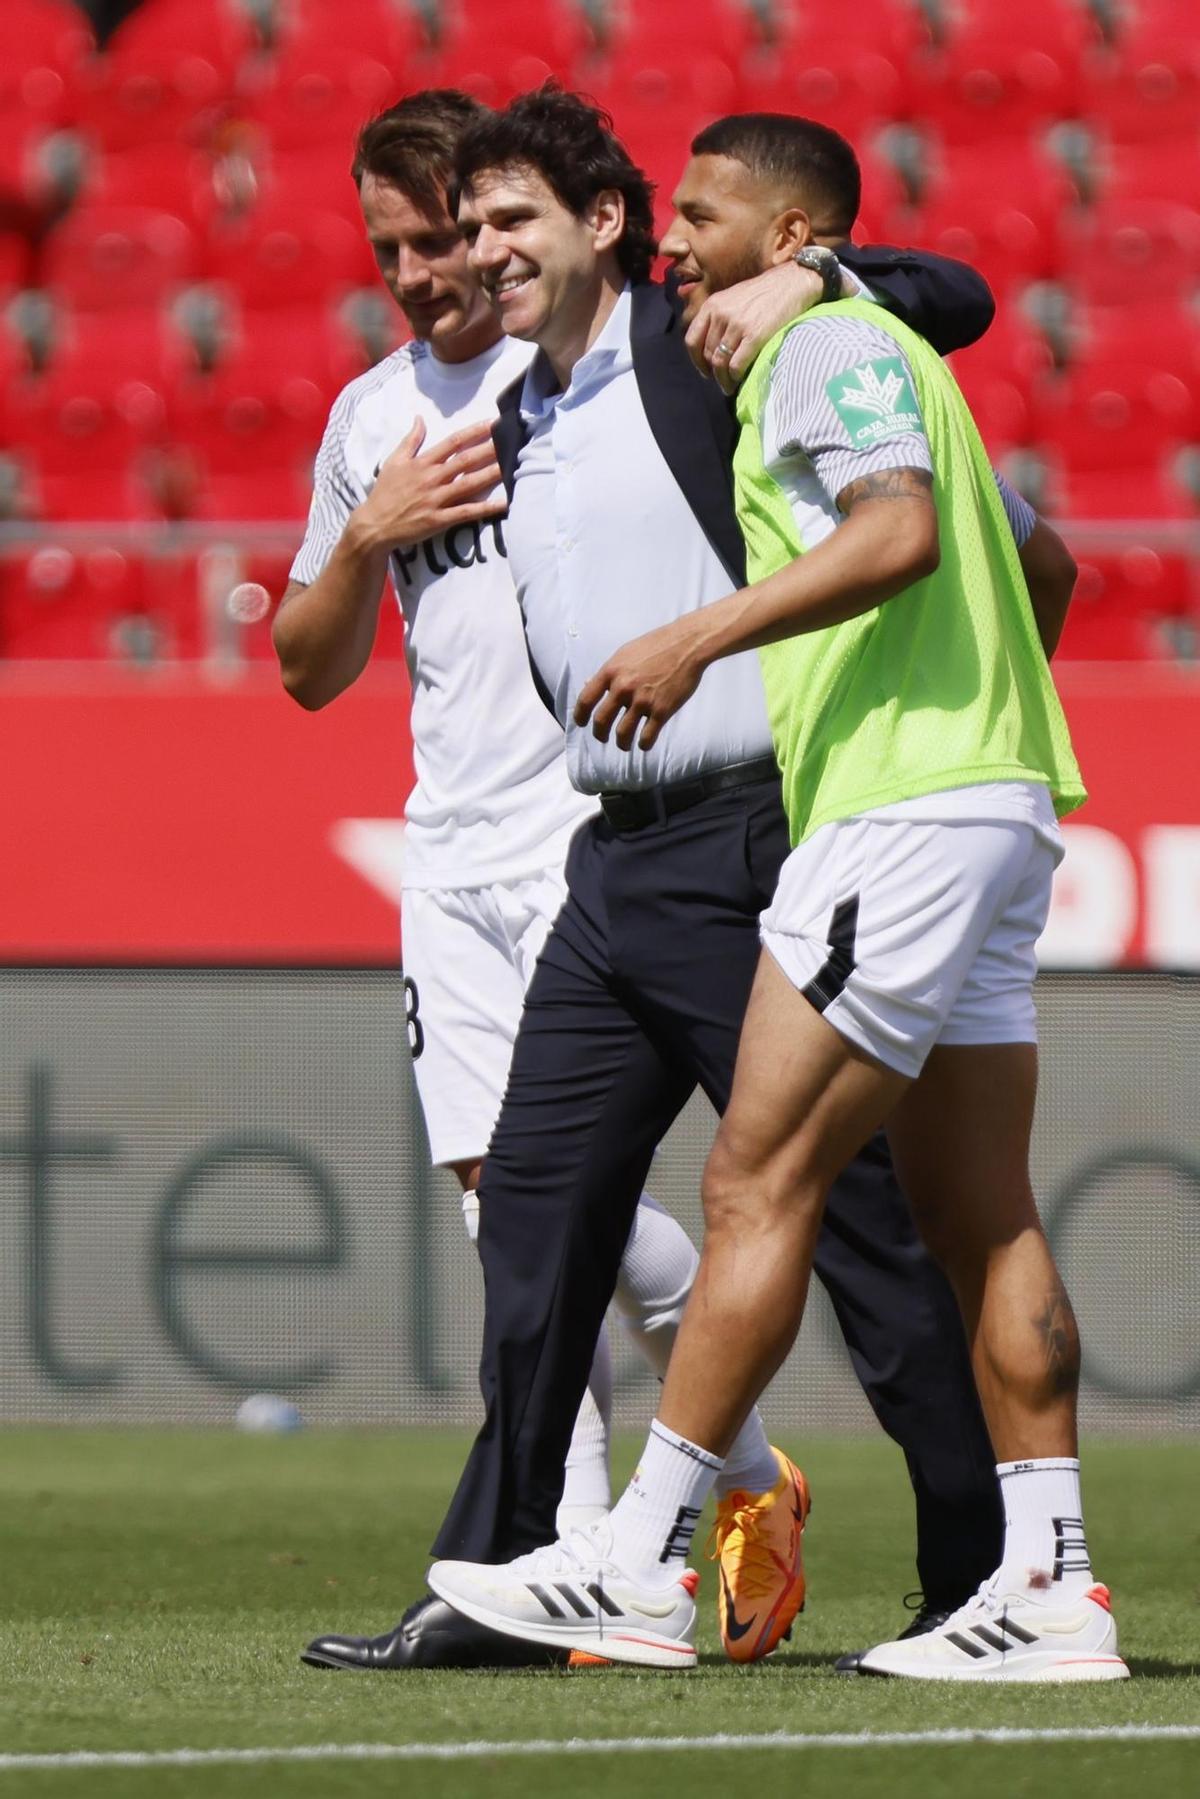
[[905, 929], [468, 957]]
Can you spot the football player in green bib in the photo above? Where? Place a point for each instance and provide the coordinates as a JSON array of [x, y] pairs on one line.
[[925, 763]]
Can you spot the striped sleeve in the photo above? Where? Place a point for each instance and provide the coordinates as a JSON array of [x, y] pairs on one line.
[[335, 493], [1019, 513], [843, 395]]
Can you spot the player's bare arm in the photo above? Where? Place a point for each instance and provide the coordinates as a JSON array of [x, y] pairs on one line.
[[732, 326], [1050, 571], [889, 540], [323, 633]]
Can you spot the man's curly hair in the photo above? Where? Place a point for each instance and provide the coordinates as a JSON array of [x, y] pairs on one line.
[[569, 142]]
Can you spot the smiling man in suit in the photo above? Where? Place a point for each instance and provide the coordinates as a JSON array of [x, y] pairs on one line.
[[617, 461]]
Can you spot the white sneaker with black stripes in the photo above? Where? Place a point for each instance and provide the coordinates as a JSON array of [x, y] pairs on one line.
[[999, 1636], [573, 1595]]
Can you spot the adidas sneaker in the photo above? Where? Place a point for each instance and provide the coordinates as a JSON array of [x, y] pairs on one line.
[[574, 1596], [999, 1636]]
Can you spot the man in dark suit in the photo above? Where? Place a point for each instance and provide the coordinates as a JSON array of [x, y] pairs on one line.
[[617, 461]]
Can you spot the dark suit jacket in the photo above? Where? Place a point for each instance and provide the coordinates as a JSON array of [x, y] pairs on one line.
[[693, 422]]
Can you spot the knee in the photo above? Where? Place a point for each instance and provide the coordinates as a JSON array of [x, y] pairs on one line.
[[743, 1193], [724, 1190]]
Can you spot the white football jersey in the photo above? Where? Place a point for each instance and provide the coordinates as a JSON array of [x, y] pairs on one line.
[[492, 800]]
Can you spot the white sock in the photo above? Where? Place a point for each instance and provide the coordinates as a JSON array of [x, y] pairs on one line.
[[656, 1275], [654, 1520], [587, 1493], [1045, 1549], [657, 1272], [751, 1464]]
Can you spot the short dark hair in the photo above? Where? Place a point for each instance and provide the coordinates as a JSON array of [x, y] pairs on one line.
[[411, 145], [799, 154], [569, 142]]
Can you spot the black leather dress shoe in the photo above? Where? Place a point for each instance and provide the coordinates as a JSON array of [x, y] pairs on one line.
[[431, 1634], [927, 1619]]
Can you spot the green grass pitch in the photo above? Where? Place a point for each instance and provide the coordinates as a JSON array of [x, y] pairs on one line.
[[156, 1587]]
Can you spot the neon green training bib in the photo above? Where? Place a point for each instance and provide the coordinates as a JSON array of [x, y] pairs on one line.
[[946, 685]]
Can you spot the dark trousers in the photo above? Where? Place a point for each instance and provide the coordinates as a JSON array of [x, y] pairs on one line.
[[638, 997]]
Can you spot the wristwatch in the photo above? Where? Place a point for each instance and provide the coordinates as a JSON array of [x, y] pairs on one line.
[[824, 263]]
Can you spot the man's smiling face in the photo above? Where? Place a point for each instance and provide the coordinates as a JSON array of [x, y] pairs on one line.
[[721, 230], [537, 261]]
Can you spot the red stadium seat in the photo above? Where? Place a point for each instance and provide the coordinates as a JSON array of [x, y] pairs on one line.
[[841, 80], [315, 177], [1136, 491], [801, 30], [1122, 245], [673, 30], [657, 110], [993, 82], [1121, 600], [1169, 18], [278, 256], [160, 32], [47, 44], [1007, 243], [123, 256], [310, 342], [97, 351], [172, 177], [298, 102], [307, 30], [171, 70], [999, 377], [1066, 28], [252, 430], [61, 603], [1101, 637], [1120, 417], [1150, 89], [992, 89], [88, 434], [1131, 332], [1166, 169], [497, 48], [1156, 583]]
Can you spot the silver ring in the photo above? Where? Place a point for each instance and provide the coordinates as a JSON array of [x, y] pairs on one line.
[[723, 350]]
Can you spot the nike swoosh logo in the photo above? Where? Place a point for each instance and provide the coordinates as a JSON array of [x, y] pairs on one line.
[[732, 1627]]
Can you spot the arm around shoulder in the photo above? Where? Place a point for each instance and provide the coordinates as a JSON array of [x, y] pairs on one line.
[[947, 302]]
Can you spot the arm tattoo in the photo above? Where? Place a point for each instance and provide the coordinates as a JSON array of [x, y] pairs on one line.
[[887, 484], [1060, 1341]]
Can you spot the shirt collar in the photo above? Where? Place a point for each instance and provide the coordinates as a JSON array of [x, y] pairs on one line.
[[610, 355]]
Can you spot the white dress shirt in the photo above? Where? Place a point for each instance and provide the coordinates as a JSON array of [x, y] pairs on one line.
[[603, 546]]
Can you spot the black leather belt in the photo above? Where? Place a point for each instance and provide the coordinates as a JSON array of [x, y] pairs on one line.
[[639, 807]]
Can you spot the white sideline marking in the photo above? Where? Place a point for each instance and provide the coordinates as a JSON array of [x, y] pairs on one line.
[[451, 1752]]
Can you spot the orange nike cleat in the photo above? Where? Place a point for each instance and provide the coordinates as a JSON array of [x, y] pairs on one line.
[[756, 1541]]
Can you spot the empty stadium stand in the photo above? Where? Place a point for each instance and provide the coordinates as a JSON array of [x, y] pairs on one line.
[[184, 285]]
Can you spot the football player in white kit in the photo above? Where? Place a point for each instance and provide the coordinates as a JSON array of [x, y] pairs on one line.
[[492, 811]]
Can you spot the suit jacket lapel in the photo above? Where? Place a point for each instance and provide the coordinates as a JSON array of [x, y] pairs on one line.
[[691, 421], [509, 434]]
